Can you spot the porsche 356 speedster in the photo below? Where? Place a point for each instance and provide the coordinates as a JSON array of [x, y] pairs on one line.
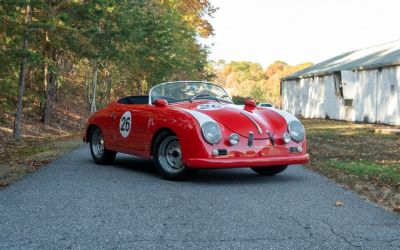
[[189, 125]]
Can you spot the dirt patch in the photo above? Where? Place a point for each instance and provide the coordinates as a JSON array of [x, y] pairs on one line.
[[40, 143], [357, 157], [28, 155]]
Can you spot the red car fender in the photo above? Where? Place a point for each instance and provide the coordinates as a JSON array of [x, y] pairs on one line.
[[185, 127], [98, 119]]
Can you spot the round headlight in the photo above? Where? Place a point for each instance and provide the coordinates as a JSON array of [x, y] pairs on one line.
[[211, 132], [287, 138], [296, 130], [234, 139]]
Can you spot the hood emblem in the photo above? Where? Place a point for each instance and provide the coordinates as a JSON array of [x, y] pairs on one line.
[[254, 122]]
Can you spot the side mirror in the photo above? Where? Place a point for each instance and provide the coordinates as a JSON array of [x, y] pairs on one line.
[[161, 103]]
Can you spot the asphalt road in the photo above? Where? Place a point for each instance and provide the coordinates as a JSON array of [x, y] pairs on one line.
[[73, 203]]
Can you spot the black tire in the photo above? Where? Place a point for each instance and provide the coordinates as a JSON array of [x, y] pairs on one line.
[[100, 154], [269, 171], [168, 158]]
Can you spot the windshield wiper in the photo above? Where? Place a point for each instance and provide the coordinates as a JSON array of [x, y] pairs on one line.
[[221, 98], [198, 96]]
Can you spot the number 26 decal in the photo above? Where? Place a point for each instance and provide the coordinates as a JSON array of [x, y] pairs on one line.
[[125, 124]]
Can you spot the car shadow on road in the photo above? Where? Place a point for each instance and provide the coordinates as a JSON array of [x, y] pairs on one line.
[[209, 176], [241, 176], [135, 164]]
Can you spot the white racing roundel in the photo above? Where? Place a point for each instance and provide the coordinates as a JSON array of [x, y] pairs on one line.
[[125, 124]]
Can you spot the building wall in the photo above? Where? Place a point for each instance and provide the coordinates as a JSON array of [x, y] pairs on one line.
[[389, 97], [375, 96]]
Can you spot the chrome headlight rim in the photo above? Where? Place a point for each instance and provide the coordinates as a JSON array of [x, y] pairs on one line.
[[218, 136], [299, 135]]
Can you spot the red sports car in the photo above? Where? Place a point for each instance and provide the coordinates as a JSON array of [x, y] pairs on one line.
[[189, 125]]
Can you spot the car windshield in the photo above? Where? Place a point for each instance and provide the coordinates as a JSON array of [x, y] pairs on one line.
[[188, 91]]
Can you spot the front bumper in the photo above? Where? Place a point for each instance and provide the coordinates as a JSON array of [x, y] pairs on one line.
[[247, 162]]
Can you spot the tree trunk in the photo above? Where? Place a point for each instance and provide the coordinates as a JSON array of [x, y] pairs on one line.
[[46, 99], [94, 86], [139, 88], [53, 77], [29, 80], [87, 87], [22, 76], [50, 81], [133, 88], [55, 89], [109, 86], [21, 84]]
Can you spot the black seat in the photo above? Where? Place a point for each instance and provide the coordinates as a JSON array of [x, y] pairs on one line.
[[141, 99]]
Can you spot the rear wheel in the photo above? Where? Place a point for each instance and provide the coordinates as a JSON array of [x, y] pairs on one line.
[[168, 158], [100, 154], [269, 170]]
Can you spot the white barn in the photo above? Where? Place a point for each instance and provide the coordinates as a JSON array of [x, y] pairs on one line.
[[361, 85]]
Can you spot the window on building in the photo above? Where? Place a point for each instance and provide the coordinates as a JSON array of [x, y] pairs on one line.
[[337, 78]]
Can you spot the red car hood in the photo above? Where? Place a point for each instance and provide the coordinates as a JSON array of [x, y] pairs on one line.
[[237, 118]]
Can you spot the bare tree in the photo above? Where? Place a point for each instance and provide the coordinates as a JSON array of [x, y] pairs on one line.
[[94, 86]]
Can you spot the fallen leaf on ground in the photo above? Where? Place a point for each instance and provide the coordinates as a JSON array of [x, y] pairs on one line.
[[339, 204]]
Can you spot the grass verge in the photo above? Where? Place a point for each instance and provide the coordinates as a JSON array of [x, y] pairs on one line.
[[357, 157], [18, 158]]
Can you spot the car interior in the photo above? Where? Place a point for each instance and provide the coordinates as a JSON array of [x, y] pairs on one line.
[[142, 99], [134, 100]]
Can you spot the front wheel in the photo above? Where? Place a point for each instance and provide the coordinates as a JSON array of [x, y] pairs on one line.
[[269, 170], [100, 154], [168, 158]]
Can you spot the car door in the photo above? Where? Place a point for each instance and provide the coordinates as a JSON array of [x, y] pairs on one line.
[[121, 127], [141, 125]]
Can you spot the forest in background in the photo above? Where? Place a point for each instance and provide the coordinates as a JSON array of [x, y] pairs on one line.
[[249, 80], [62, 60], [81, 54]]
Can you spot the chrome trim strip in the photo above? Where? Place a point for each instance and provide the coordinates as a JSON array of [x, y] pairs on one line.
[[254, 122], [250, 141]]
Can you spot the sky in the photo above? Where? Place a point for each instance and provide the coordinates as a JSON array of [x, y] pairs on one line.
[[297, 31]]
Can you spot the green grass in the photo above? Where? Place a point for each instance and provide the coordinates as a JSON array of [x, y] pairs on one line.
[[34, 150], [351, 148], [364, 168]]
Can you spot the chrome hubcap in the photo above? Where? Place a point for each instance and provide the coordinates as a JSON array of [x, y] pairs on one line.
[[170, 156], [97, 144]]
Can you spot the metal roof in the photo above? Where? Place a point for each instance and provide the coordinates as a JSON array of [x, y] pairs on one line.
[[373, 57]]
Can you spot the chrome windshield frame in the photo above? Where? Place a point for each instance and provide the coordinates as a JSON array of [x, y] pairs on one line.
[[165, 83]]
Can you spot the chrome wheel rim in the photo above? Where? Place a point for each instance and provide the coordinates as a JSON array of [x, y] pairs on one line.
[[170, 155], [97, 144]]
